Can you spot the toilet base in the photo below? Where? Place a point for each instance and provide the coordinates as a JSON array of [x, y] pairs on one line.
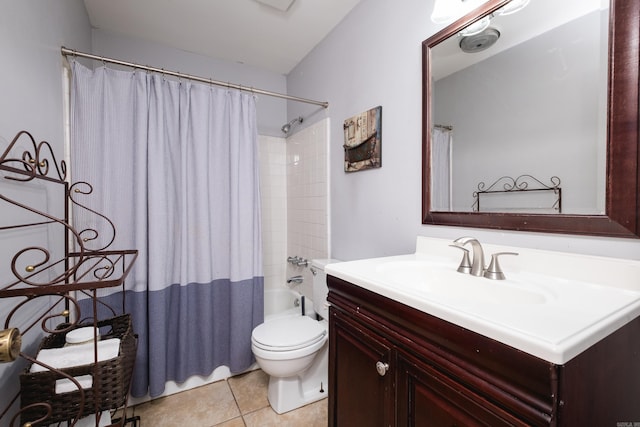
[[288, 393]]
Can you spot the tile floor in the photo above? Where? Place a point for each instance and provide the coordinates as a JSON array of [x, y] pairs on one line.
[[239, 401]]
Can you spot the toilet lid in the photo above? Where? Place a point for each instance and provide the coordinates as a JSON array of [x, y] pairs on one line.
[[288, 333]]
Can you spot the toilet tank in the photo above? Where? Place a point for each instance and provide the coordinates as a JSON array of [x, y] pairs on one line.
[[320, 289]]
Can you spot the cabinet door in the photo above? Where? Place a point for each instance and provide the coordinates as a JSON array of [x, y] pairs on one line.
[[360, 375], [428, 398]]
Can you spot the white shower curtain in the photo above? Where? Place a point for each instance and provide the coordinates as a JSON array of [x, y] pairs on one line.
[[441, 170], [174, 166]]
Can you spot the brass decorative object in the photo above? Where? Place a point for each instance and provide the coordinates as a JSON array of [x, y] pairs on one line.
[[10, 344]]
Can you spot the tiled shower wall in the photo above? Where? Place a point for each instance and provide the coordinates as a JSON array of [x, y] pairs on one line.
[[273, 192], [295, 203], [308, 199]]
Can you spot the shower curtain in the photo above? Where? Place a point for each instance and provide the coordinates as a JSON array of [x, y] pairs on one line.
[[441, 170], [174, 165]]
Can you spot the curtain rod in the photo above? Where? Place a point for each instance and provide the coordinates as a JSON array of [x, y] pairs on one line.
[[67, 52]]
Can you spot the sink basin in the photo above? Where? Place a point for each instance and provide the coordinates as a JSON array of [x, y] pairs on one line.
[[442, 281], [552, 305]]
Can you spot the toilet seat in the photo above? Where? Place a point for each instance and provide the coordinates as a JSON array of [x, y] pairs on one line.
[[288, 334]]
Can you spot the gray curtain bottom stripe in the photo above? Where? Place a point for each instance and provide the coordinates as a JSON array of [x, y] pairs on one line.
[[192, 329]]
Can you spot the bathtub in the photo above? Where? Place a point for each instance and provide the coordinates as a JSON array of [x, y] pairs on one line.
[[285, 302]]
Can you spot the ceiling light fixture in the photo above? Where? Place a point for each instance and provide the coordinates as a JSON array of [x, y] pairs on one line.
[[479, 42]]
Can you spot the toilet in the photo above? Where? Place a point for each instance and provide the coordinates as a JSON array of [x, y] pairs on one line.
[[293, 351]]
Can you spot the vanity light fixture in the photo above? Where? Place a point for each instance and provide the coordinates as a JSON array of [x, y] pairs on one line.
[[476, 28], [447, 11], [512, 7]]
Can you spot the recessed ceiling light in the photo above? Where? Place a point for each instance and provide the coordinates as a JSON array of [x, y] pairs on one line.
[[281, 5]]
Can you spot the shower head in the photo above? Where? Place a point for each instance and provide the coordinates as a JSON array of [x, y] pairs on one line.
[[287, 128]]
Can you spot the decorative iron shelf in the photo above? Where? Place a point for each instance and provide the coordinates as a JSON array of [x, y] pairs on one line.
[[519, 185], [52, 258], [34, 267], [94, 270]]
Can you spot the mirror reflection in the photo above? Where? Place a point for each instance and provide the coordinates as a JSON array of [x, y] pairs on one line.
[[519, 112]]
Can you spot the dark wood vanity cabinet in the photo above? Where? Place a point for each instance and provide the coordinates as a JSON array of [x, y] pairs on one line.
[[362, 396], [392, 365], [427, 397]]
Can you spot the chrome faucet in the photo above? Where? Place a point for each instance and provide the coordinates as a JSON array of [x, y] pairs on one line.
[[295, 279], [477, 263], [298, 261]]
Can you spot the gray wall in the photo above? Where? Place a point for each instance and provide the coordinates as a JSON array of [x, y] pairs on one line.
[[374, 58], [31, 33], [271, 111]]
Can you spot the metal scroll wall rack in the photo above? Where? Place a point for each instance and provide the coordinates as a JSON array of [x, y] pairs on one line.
[[520, 185], [53, 270]]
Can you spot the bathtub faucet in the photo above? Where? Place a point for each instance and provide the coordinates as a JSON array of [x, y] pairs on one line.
[[295, 279], [298, 261]]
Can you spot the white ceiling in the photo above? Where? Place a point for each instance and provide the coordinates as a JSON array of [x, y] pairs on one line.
[[243, 31]]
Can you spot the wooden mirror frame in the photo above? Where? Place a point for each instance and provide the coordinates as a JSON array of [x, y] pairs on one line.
[[622, 211]]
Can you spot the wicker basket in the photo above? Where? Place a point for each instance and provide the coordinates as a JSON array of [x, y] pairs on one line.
[[111, 378]]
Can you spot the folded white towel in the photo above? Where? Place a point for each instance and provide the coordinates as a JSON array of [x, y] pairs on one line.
[[76, 355], [66, 385]]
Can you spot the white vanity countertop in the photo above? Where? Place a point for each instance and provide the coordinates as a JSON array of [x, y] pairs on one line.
[[552, 305]]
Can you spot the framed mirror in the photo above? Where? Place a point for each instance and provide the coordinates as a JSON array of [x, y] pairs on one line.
[[531, 128]]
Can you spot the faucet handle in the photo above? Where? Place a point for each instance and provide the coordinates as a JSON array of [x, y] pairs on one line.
[[494, 271], [465, 264]]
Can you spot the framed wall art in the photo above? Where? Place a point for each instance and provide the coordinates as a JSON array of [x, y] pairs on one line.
[[363, 141]]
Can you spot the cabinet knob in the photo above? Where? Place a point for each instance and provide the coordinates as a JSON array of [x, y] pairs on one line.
[[382, 368]]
